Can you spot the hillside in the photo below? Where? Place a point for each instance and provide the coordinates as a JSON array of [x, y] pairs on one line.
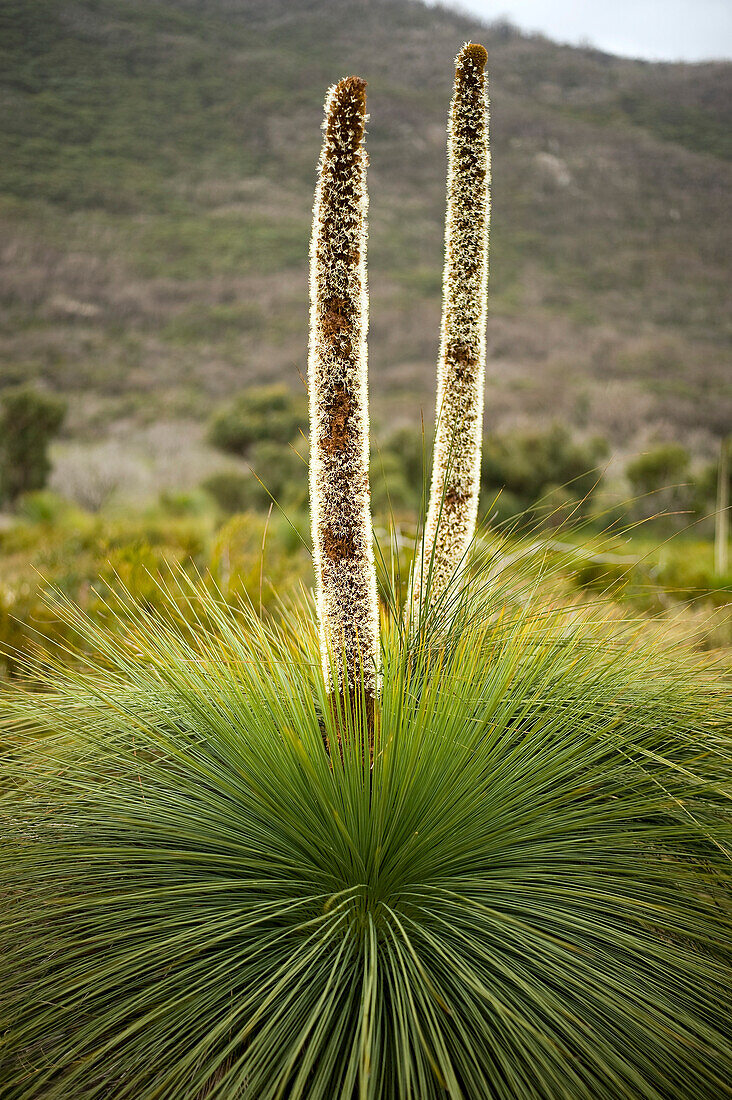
[[156, 170]]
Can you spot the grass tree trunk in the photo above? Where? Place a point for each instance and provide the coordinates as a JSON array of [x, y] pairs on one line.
[[339, 427], [453, 505]]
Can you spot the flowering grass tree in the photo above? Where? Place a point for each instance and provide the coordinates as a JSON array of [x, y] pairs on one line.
[[339, 425], [453, 504], [521, 890]]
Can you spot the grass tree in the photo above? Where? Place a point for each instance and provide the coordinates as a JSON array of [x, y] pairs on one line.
[[523, 891], [524, 894], [453, 504], [339, 423]]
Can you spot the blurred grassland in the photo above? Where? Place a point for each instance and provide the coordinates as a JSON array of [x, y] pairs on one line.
[[265, 560]]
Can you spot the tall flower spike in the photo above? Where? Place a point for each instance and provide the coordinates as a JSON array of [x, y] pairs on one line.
[[339, 426], [453, 506]]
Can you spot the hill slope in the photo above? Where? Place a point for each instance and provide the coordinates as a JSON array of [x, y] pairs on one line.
[[157, 161]]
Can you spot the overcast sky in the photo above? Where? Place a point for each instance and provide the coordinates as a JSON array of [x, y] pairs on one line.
[[667, 30]]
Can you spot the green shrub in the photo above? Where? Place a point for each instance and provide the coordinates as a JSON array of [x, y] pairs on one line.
[[44, 507], [658, 468], [669, 491], [271, 413], [392, 493], [188, 502], [28, 421], [686, 570], [523, 894], [231, 491], [705, 487], [547, 469], [414, 454], [54, 546], [85, 558], [265, 559], [280, 472]]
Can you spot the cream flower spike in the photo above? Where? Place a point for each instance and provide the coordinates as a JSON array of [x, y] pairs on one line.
[[339, 422], [453, 506]]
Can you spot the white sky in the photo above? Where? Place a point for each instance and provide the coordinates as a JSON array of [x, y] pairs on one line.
[[668, 30]]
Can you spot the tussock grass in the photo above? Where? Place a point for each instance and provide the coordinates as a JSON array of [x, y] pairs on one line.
[[524, 895]]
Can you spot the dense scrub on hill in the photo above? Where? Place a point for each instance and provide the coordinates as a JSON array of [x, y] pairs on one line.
[[156, 165]]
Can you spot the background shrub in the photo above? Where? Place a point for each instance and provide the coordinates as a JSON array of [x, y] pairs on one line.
[[658, 468], [278, 473], [548, 467], [230, 490], [668, 488], [271, 413], [392, 490], [28, 421]]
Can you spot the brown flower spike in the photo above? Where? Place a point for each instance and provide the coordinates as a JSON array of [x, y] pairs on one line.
[[339, 427], [453, 505]]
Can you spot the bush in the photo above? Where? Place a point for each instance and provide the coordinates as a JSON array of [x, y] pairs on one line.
[[522, 894], [262, 559], [667, 488], [85, 557], [392, 494], [54, 546], [541, 468], [415, 454], [658, 468], [28, 422], [231, 491], [44, 507], [685, 570], [184, 502], [278, 474], [262, 413]]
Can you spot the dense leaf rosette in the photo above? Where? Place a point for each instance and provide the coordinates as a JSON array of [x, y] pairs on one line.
[[521, 896]]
